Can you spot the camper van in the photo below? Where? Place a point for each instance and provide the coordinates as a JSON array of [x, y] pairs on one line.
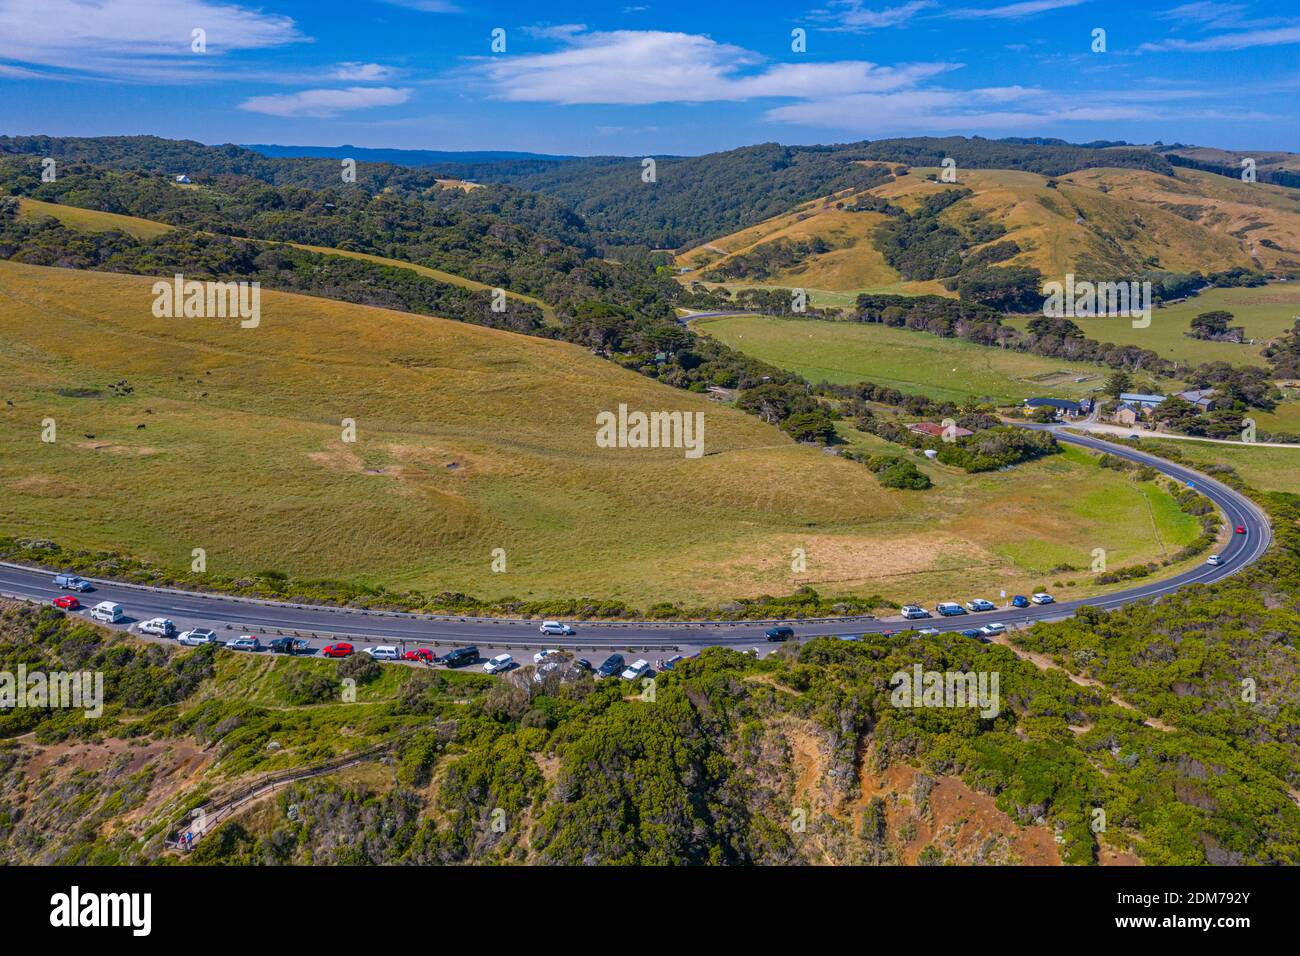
[[108, 612]]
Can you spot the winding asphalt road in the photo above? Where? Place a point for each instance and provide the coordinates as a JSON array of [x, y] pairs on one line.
[[267, 619]]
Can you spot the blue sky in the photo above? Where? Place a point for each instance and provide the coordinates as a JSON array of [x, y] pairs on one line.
[[638, 76]]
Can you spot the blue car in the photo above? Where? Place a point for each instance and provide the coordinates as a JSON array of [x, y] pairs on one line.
[[1020, 601]]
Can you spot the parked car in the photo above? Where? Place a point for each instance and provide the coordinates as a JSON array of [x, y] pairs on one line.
[[975, 632], [612, 665], [780, 633], [245, 642], [914, 611], [108, 612], [1041, 598], [420, 654], [555, 627], [1212, 559], [1020, 601], [542, 655], [671, 662], [995, 628], [67, 601], [289, 645], [583, 663], [460, 656], [72, 582], [949, 609], [383, 652], [979, 604], [1241, 529], [342, 649], [158, 626], [502, 662], [198, 635], [637, 670], [928, 631]]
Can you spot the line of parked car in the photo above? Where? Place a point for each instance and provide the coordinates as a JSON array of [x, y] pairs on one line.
[[914, 612]]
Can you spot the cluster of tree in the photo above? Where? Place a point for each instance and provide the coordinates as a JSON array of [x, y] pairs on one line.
[[768, 258], [1283, 353], [893, 471], [1048, 157], [1213, 327], [699, 197], [1277, 177], [981, 324], [987, 449], [919, 244], [204, 256], [792, 405]]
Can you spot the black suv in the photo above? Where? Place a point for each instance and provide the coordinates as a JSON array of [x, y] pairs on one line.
[[613, 665], [780, 633], [289, 645], [460, 656]]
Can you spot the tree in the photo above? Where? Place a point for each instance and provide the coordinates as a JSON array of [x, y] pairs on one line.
[[1117, 383]]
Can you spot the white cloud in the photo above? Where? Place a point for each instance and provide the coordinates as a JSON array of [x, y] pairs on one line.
[[631, 67], [133, 38], [1208, 14], [985, 109], [364, 72], [849, 15], [325, 103], [1014, 11], [426, 6], [1246, 40]]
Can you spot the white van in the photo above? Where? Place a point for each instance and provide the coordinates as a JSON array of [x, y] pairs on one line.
[[108, 612]]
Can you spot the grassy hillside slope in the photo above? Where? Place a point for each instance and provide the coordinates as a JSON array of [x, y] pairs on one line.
[[468, 440]]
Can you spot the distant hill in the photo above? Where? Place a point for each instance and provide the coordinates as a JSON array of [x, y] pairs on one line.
[[1271, 166], [1097, 220]]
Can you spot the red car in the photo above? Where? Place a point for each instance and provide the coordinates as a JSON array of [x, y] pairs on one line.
[[68, 602], [336, 650], [1241, 529], [420, 654]]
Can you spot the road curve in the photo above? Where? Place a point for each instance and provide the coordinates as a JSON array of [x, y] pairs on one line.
[[268, 618]]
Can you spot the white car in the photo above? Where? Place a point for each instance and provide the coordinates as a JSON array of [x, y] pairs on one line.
[[912, 611], [637, 670], [1041, 598], [159, 626], [542, 655], [979, 604], [108, 612], [196, 636], [555, 627], [383, 652], [499, 663], [928, 631], [1214, 559], [245, 642], [988, 630]]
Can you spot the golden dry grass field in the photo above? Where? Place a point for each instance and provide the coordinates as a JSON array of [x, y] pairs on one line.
[[470, 439]]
